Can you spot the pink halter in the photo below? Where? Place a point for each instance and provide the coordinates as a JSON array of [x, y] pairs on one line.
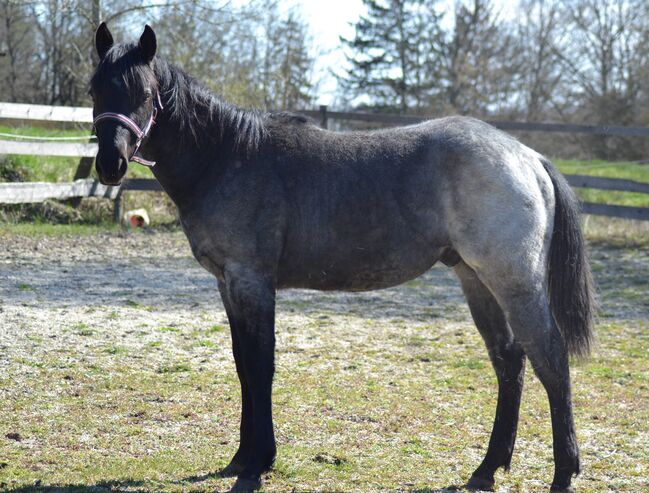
[[140, 133]]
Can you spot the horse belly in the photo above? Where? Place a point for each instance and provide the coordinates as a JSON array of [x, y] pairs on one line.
[[356, 266]]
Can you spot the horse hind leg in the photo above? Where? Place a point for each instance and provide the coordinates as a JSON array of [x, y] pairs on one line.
[[508, 360], [534, 325], [526, 305]]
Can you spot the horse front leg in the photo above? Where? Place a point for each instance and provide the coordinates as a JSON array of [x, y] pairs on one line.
[[240, 459], [249, 298]]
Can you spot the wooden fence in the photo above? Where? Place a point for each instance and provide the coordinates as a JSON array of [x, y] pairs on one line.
[[11, 193]]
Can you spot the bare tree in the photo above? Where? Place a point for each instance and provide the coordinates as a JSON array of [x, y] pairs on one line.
[[604, 57], [540, 34], [478, 54], [49, 53], [17, 49], [605, 54]]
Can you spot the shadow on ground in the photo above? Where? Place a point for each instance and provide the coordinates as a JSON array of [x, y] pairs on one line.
[[133, 486]]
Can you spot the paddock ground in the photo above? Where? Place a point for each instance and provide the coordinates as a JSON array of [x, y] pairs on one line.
[[116, 375]]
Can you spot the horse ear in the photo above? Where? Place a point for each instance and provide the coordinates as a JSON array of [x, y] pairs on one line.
[[148, 43], [103, 40]]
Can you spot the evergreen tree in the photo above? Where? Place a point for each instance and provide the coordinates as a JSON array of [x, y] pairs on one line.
[[394, 55]]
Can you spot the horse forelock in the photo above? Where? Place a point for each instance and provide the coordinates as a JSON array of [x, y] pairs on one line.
[[125, 60]]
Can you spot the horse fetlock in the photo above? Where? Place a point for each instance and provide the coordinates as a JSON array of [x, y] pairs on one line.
[[233, 469], [270, 459], [563, 477]]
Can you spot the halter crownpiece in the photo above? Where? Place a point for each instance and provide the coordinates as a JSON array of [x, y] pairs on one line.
[[140, 133]]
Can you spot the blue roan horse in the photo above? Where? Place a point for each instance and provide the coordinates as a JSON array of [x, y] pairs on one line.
[[271, 201]]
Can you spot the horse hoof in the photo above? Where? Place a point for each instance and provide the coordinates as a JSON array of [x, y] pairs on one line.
[[476, 483], [566, 489], [231, 470], [245, 485]]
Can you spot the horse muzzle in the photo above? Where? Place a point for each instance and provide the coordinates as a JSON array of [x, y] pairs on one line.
[[111, 166]]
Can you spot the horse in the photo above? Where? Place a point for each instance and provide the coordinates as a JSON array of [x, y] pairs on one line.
[[271, 201]]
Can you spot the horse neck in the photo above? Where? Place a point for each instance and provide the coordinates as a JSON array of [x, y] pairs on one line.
[[199, 141], [181, 156]]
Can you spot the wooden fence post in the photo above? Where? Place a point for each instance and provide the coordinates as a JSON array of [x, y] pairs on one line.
[[324, 121], [117, 208], [83, 171]]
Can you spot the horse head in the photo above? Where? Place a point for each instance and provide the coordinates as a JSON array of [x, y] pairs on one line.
[[126, 101]]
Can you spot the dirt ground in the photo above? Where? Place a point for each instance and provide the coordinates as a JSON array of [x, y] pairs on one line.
[[116, 375]]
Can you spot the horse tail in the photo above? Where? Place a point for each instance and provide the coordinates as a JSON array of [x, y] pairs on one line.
[[570, 283]]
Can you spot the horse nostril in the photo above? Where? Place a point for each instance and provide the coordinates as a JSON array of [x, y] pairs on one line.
[[123, 166]]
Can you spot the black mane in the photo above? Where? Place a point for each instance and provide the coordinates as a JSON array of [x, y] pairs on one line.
[[201, 112]]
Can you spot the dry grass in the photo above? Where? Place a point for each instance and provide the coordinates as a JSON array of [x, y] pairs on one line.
[[116, 375]]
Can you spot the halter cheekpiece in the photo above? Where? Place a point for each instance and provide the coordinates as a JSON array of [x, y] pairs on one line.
[[140, 133]]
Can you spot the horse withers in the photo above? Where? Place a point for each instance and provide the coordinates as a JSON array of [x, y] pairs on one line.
[[270, 201]]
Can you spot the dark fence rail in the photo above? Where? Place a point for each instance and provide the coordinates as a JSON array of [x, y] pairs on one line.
[[323, 115]]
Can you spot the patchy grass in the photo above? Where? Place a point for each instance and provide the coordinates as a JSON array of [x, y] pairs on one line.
[[8, 229], [382, 391], [626, 170]]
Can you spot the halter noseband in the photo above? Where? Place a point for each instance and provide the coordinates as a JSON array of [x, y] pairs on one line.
[[140, 133]]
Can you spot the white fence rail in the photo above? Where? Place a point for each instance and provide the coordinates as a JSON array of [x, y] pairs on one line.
[[39, 112], [24, 193], [68, 149]]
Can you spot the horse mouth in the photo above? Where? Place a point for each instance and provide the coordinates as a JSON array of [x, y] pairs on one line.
[[111, 183]]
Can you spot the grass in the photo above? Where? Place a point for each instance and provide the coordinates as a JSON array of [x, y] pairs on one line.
[[394, 423], [9, 229], [372, 393]]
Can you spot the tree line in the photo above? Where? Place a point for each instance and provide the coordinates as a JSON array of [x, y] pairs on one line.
[[256, 53], [582, 61]]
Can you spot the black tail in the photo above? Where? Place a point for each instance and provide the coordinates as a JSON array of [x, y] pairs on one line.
[[570, 283]]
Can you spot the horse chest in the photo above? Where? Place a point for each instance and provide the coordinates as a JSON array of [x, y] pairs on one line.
[[205, 249]]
